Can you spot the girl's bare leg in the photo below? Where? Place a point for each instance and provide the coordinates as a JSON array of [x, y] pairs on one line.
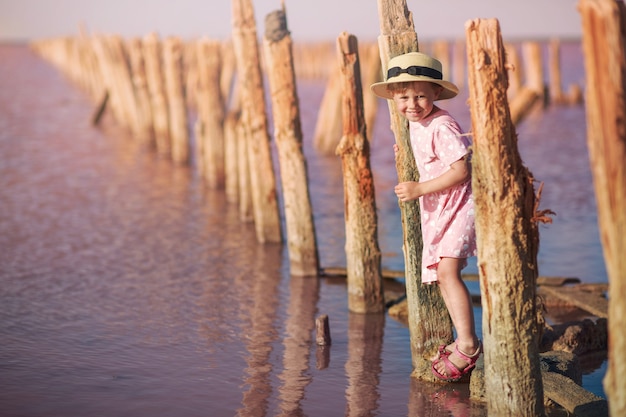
[[459, 303]]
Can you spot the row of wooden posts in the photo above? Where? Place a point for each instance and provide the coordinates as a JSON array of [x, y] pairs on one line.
[[149, 84]]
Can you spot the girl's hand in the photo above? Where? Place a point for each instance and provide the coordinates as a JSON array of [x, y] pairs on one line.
[[408, 191], [396, 149]]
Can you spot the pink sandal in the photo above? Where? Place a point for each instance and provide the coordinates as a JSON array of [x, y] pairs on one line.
[[454, 374]]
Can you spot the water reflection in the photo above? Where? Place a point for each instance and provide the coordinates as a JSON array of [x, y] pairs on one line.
[[363, 368], [303, 297], [129, 288], [259, 332], [428, 399]]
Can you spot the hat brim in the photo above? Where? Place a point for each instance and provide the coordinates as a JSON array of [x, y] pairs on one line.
[[380, 89]]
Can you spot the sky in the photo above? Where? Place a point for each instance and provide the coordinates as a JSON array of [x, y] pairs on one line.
[[307, 20]]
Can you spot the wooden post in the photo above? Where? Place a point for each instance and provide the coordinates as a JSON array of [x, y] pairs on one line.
[[301, 240], [515, 70], [229, 68], [507, 231], [370, 74], [153, 56], [177, 104], [262, 178], [554, 62], [322, 330], [429, 322], [123, 81], [441, 51], [246, 209], [604, 43], [533, 63], [363, 257], [231, 170], [328, 126], [144, 109], [115, 71], [211, 113]]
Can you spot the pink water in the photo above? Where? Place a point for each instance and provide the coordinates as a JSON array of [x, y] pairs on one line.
[[129, 289]]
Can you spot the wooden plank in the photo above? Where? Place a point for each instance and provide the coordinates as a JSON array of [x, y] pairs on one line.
[[573, 397], [594, 303], [557, 281], [389, 273]]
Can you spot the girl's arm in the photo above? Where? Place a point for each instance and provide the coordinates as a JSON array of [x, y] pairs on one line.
[[458, 173]]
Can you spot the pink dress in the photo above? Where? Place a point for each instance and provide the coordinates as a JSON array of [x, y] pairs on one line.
[[447, 216]]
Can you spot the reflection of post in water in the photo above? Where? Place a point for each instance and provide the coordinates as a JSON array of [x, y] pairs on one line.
[[303, 297], [259, 312], [433, 400], [365, 340]]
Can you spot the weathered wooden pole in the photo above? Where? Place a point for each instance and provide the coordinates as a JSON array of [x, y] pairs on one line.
[[533, 62], [429, 322], [507, 233], [153, 60], [229, 70], [177, 104], [115, 70], [363, 257], [530, 94], [370, 74], [144, 109], [516, 71], [211, 113], [231, 169], [604, 46], [301, 240], [262, 178], [554, 69], [328, 126]]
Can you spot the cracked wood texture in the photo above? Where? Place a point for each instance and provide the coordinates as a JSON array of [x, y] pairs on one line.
[[301, 242], [604, 39], [507, 233], [365, 286]]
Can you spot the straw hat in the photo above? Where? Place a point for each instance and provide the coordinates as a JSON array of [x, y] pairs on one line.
[[415, 66]]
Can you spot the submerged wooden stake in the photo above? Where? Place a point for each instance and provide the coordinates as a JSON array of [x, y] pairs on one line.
[[322, 330], [211, 113], [429, 322], [508, 238], [604, 46], [301, 240], [262, 178], [177, 104], [365, 289], [153, 60]]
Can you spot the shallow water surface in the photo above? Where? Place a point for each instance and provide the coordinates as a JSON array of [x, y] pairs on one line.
[[128, 288]]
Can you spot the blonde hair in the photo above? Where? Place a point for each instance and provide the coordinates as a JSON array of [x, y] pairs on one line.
[[401, 87]]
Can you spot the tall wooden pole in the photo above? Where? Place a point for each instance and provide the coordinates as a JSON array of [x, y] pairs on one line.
[[138, 71], [177, 104], [211, 113], [365, 287], [429, 322], [153, 60], [301, 240], [604, 45], [507, 233], [262, 178]]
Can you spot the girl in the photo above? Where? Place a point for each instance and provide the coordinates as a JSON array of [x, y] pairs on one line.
[[441, 151]]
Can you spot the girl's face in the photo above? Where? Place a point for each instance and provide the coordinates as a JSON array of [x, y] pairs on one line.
[[416, 100]]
